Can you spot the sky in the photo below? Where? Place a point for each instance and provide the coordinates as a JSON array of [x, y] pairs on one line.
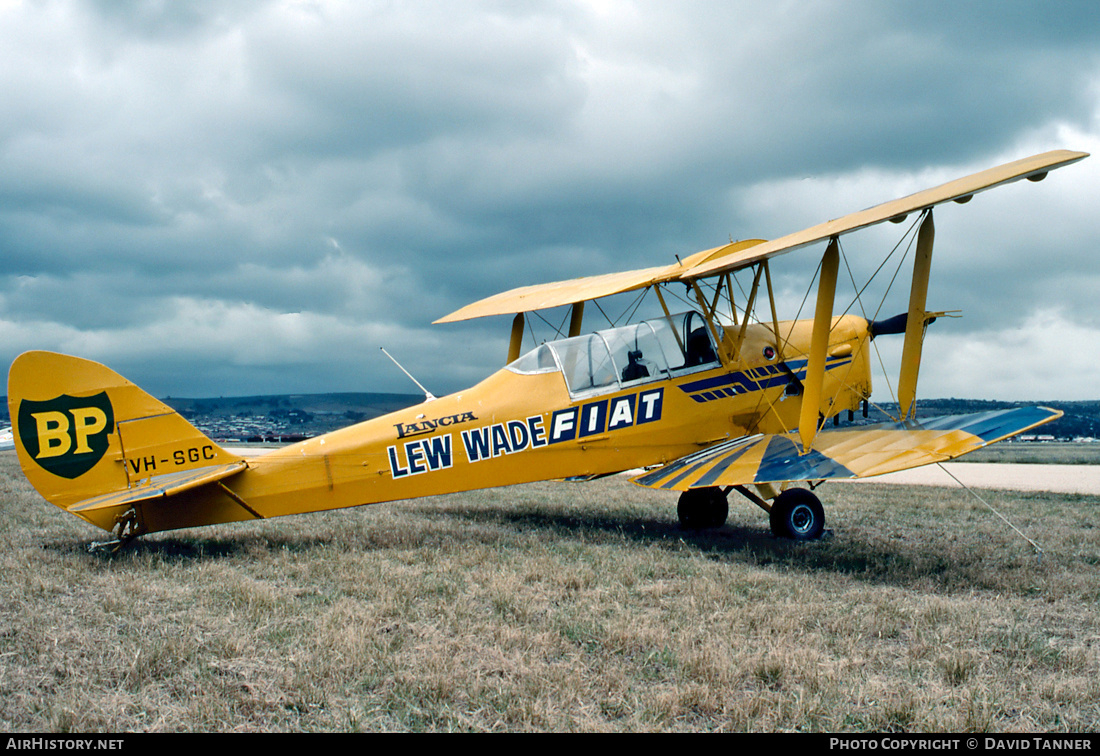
[[234, 197]]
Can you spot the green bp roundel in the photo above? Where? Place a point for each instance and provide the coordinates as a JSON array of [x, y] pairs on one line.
[[68, 435]]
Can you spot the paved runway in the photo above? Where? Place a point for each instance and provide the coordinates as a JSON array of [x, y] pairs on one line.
[[1079, 479]]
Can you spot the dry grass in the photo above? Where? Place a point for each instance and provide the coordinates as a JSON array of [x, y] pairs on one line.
[[558, 607]]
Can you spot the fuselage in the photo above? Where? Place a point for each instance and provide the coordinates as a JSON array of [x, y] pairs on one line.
[[583, 407]]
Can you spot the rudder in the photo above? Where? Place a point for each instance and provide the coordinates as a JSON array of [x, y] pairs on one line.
[[82, 431]]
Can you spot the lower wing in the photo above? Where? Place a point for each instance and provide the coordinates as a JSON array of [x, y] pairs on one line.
[[856, 452]]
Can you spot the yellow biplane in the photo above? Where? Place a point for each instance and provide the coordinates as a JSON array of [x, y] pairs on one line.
[[692, 403]]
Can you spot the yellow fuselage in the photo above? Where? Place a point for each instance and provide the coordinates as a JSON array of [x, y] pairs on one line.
[[517, 428]]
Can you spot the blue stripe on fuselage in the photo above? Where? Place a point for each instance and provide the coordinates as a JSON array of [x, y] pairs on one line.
[[753, 379]]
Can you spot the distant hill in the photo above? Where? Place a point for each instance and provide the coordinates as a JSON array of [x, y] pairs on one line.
[[285, 416], [361, 406], [1081, 419]]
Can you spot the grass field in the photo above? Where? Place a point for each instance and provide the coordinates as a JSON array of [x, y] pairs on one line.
[[559, 607]]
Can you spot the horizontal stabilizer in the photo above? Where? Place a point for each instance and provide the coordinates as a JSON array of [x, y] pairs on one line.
[[857, 452], [158, 486]]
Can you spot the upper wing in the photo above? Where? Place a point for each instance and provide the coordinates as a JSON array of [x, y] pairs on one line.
[[736, 255], [544, 296], [960, 190], [857, 452]]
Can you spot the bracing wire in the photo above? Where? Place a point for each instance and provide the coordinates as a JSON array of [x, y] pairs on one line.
[[673, 294], [805, 296], [897, 270], [632, 307], [635, 304], [610, 322], [1038, 549], [881, 265], [857, 298], [557, 329]]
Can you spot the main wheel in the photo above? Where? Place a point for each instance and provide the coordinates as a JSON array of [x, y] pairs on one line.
[[701, 508], [798, 514]]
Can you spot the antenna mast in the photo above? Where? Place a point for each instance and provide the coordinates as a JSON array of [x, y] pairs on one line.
[[428, 396]]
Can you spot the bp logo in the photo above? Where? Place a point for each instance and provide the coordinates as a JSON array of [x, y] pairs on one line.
[[66, 435]]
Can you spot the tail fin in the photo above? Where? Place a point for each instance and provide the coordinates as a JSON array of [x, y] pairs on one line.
[[84, 433]]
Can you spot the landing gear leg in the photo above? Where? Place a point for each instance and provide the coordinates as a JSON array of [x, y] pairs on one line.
[[797, 513], [702, 508]]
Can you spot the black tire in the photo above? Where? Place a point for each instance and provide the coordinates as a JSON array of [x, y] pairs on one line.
[[798, 514], [702, 508]]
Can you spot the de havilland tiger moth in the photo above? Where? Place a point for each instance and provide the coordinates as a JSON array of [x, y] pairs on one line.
[[694, 403]]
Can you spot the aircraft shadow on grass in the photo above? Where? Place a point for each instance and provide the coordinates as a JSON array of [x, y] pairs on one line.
[[875, 560]]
